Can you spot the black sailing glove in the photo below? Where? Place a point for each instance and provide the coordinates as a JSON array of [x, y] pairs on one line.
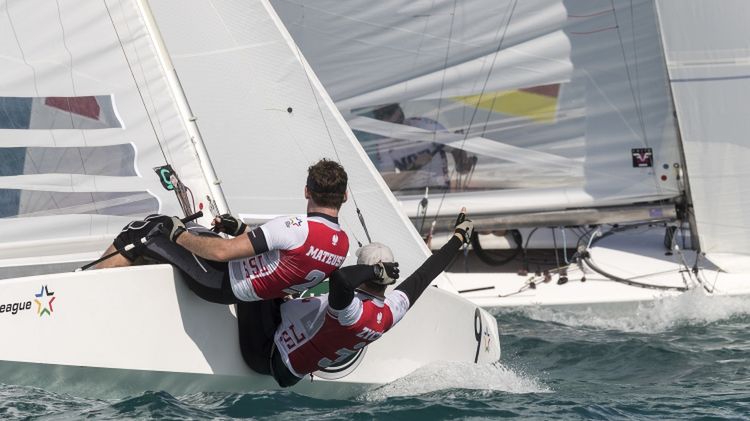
[[229, 224], [172, 228], [464, 228], [135, 232], [386, 273]]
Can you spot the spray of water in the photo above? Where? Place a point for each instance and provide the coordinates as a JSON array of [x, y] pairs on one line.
[[693, 308], [458, 375]]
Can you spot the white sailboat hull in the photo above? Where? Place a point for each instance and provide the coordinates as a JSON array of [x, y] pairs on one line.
[[637, 256], [116, 332]]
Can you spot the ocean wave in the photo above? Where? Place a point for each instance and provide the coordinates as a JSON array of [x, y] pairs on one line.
[[693, 308], [459, 375]]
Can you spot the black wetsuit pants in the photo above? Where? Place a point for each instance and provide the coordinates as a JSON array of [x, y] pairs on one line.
[[256, 320]]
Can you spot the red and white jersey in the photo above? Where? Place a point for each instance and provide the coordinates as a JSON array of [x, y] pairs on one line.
[[302, 251], [313, 336]]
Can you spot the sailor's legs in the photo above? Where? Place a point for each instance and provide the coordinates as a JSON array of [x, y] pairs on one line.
[[118, 260]]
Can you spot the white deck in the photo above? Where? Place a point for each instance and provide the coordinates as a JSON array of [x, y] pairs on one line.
[[638, 255]]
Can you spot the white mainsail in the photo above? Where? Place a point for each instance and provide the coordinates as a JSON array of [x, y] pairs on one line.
[[263, 118], [86, 113], [709, 69], [553, 97]]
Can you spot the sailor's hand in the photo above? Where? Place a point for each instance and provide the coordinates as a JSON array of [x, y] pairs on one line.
[[228, 224], [138, 229], [172, 228], [464, 227], [386, 273], [135, 232]]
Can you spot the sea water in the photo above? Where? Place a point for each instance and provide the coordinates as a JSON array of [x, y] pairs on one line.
[[684, 358]]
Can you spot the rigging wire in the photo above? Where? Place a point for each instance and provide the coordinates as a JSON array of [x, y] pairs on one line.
[[135, 81], [636, 102], [179, 187], [481, 94], [445, 69], [75, 94], [36, 87], [360, 216]]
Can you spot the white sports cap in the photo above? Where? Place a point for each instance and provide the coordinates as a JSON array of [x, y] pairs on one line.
[[374, 253]]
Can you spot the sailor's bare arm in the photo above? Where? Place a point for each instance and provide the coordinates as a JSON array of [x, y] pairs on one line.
[[217, 249]]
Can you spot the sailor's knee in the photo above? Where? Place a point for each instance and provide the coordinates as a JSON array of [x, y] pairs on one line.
[[121, 242]]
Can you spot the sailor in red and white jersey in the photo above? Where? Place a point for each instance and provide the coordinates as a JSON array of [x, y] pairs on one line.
[[315, 333], [284, 256], [292, 254]]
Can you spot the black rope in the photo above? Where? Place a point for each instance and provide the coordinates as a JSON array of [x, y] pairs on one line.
[[364, 226], [587, 258], [485, 257]]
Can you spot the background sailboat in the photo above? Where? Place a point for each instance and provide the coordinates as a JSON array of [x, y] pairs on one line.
[[553, 98], [108, 112], [568, 108]]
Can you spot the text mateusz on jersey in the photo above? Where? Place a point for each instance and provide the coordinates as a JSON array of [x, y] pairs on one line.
[[325, 257]]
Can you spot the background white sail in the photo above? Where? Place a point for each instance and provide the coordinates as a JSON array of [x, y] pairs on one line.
[[86, 113], [709, 69], [567, 91]]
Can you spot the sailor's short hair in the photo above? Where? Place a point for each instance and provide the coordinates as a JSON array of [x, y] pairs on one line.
[[374, 253]]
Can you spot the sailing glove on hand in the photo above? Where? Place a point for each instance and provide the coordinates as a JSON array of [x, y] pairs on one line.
[[386, 273], [464, 228], [134, 233], [172, 228], [229, 224]]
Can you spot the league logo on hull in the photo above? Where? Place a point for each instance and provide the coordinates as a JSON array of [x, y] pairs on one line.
[[44, 299]]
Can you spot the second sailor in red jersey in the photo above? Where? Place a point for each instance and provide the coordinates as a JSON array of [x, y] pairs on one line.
[[311, 334]]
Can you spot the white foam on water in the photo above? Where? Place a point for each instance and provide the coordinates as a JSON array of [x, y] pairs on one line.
[[693, 308], [458, 375]]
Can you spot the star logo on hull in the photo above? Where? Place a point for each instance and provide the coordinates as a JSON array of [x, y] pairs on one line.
[[44, 302]]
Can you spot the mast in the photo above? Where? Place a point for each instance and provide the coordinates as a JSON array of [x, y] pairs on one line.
[[190, 120]]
